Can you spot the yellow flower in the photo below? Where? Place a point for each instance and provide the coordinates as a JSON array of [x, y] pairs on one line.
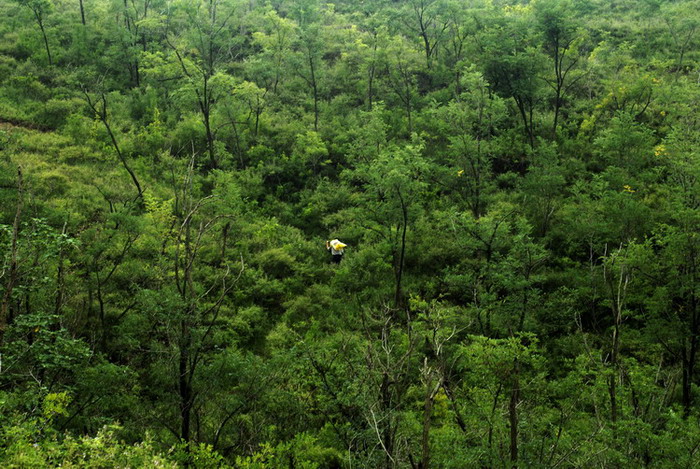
[[660, 150], [460, 172], [628, 188]]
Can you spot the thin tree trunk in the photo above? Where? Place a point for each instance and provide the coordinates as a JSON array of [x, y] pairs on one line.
[[185, 370], [557, 106], [559, 78], [614, 363], [82, 12], [613, 376], [370, 84], [431, 392], [205, 107], [513, 415], [122, 158], [40, 20], [387, 435], [183, 383], [314, 85], [224, 236], [425, 440], [60, 285], [408, 106], [690, 355], [101, 304], [617, 295], [527, 123], [210, 138], [13, 271], [402, 252], [371, 71], [102, 114], [688, 372]]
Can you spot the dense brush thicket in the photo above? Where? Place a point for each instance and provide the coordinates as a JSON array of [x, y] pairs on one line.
[[518, 184]]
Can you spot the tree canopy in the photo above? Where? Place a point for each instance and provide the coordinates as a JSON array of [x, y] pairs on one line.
[[517, 183]]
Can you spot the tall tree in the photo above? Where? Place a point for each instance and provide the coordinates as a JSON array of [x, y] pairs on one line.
[[99, 108], [563, 41], [202, 36], [471, 123], [11, 264], [393, 187], [424, 19], [276, 36], [40, 10], [400, 71], [512, 64]]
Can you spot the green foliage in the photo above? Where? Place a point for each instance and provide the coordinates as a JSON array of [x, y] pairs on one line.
[[517, 183], [303, 452], [101, 450]]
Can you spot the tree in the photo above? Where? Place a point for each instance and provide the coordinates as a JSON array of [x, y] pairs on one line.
[[542, 188], [470, 124], [491, 371], [311, 46], [200, 52], [363, 60], [198, 305], [138, 19], [11, 265], [512, 66], [617, 277], [671, 263], [400, 68], [99, 108], [683, 26], [393, 186], [242, 110], [389, 358], [563, 42], [426, 22], [461, 37], [40, 9], [276, 37]]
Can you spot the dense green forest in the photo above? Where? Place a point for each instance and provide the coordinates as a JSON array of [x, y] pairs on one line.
[[518, 184]]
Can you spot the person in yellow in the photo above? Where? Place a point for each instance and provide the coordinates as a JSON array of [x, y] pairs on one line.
[[336, 249]]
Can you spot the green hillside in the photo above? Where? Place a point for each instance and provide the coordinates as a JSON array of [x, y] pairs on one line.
[[517, 184]]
